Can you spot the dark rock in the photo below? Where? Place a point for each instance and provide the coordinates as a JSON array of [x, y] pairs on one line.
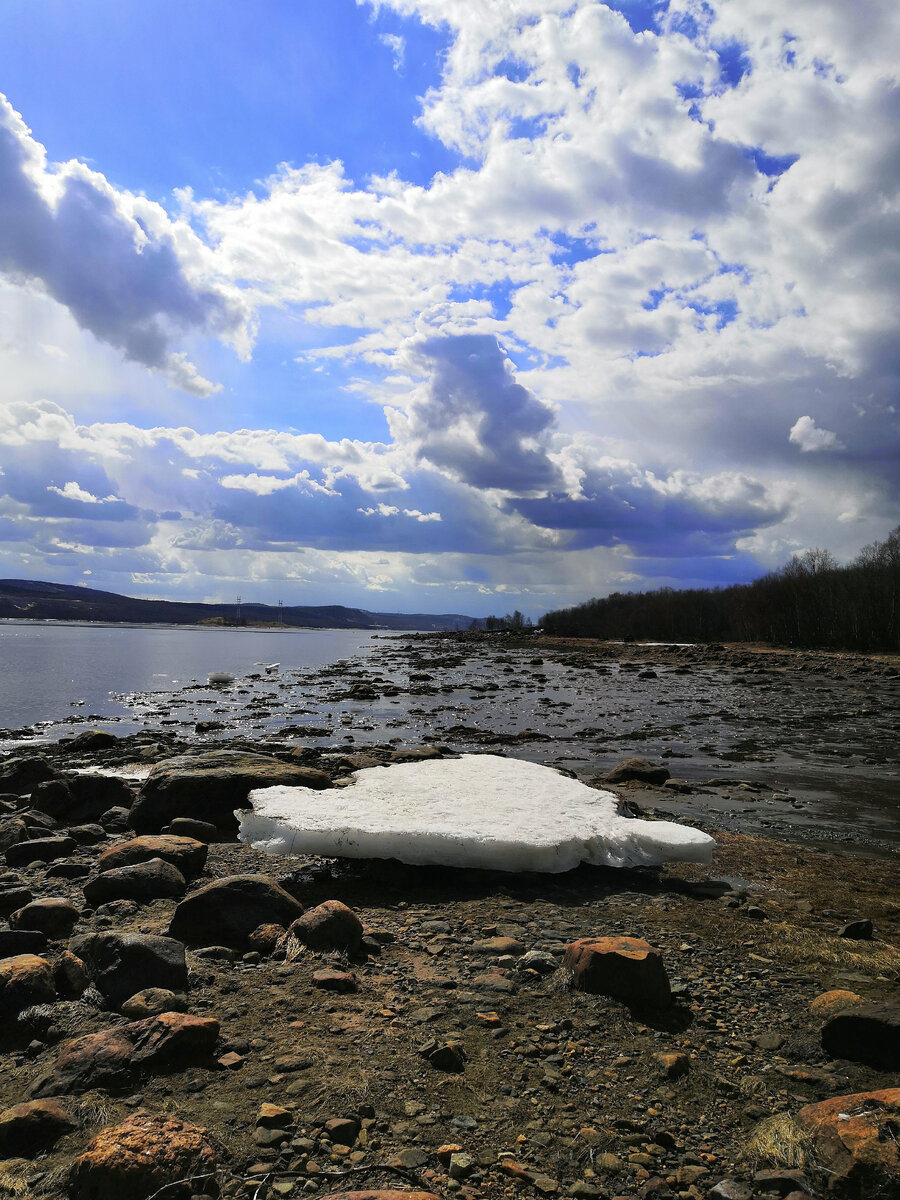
[[13, 897], [625, 968], [52, 797], [70, 976], [90, 739], [861, 929], [639, 770], [25, 980], [210, 786], [450, 1056], [114, 1057], [95, 795], [868, 1034], [334, 981], [185, 853], [151, 880], [229, 910], [21, 941], [856, 1141], [151, 1002], [115, 819], [55, 918], [264, 939], [30, 1128], [44, 849], [121, 964], [21, 774], [781, 1180], [329, 926], [12, 831], [145, 1156], [87, 835], [343, 1131], [200, 831]]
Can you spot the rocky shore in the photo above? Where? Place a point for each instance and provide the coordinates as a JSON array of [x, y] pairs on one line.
[[181, 1015]]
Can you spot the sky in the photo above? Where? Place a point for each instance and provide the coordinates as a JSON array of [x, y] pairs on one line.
[[445, 305]]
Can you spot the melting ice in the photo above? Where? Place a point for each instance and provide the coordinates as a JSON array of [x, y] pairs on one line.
[[478, 810]]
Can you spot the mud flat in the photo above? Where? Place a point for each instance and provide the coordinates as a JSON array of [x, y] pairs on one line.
[[429, 1029]]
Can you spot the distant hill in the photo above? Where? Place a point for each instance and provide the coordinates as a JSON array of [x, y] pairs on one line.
[[31, 599]]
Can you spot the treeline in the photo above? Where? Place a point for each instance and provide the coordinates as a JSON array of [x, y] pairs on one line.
[[811, 601]]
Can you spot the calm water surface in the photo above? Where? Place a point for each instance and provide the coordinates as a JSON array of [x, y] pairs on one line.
[[52, 671]]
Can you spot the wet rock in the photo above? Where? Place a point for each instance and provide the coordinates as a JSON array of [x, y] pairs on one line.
[[21, 941], [151, 1002], [33, 1127], [625, 968], [25, 979], [44, 849], [113, 1057], [210, 786], [187, 854], [121, 964], [55, 918], [329, 926], [70, 976], [867, 1034], [20, 774], [856, 1141], [335, 981], [142, 1156], [142, 881], [229, 910], [639, 770]]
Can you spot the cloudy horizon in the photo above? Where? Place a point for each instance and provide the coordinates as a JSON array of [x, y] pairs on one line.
[[445, 305]]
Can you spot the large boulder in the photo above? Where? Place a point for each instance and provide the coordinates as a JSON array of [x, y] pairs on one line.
[[114, 1057], [869, 1033], [145, 1156], [210, 786], [42, 849], [94, 794], [856, 1141], [637, 770], [89, 740], [143, 881], [625, 968], [329, 926], [121, 964], [25, 979], [185, 853], [30, 1128], [12, 831], [227, 911]]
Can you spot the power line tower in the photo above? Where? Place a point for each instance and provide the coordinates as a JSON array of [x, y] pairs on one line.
[[238, 603], [280, 613]]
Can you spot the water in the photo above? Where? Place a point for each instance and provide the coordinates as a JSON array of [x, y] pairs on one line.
[[52, 673]]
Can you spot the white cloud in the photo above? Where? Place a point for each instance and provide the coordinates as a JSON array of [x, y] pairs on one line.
[[809, 437]]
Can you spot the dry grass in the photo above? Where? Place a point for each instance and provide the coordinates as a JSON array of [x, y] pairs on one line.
[[12, 1177], [809, 947], [779, 1142]]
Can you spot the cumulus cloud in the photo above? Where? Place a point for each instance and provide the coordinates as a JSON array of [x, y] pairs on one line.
[[109, 258], [806, 434]]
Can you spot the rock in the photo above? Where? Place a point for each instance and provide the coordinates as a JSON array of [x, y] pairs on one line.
[[265, 938], [461, 1165], [450, 1056], [22, 773], [25, 979], [35, 1126], [856, 1141], [861, 929], [70, 976], [21, 941], [87, 835], [329, 926], [730, 1189], [537, 960], [211, 785], [673, 1064], [151, 1002], [53, 797], [44, 849], [834, 1001], [335, 981], [88, 740], [273, 1116], [13, 830], [113, 1057], [55, 918], [94, 795], [625, 968], [229, 910], [867, 1034], [151, 880], [200, 831], [187, 854], [385, 1194], [639, 770], [142, 1156], [781, 1180], [121, 964], [115, 819], [499, 946]]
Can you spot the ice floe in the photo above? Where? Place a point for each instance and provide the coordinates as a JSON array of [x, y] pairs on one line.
[[478, 810]]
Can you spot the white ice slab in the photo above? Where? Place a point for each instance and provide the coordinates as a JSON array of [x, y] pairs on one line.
[[478, 810]]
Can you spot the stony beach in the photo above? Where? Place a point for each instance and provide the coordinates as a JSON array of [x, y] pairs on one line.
[[184, 1015]]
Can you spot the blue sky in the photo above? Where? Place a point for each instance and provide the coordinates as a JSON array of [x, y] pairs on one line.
[[444, 304]]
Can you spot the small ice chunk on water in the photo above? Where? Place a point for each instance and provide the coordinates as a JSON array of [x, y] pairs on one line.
[[220, 678], [478, 810]]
